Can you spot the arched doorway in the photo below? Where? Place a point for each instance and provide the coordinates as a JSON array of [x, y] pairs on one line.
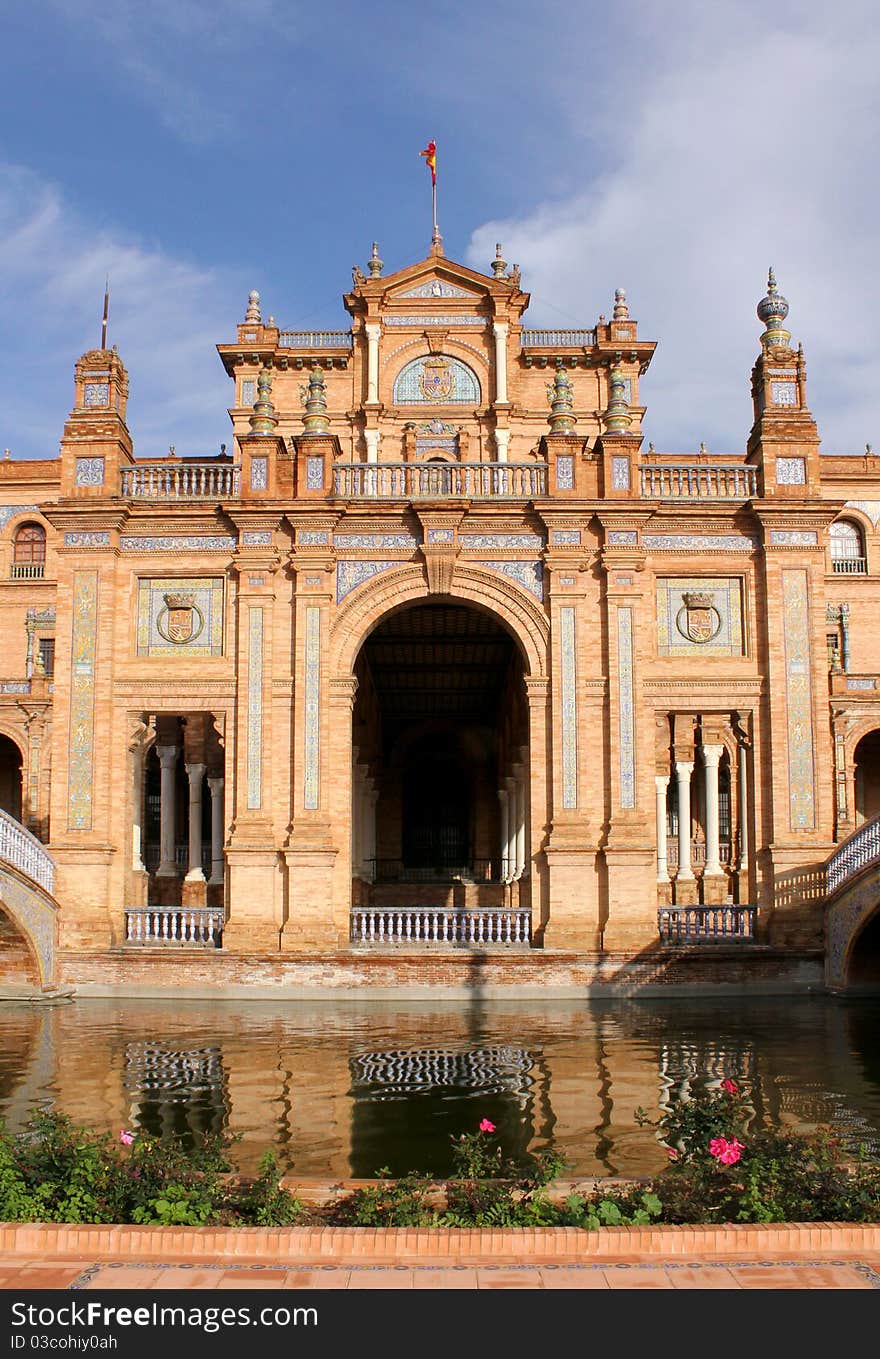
[[10, 777], [866, 759], [863, 972], [440, 761]]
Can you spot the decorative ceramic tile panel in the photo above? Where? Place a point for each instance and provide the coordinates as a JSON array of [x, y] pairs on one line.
[[180, 615], [313, 538], [436, 288], [315, 474], [312, 709], [8, 512], [783, 393], [791, 471], [438, 380], [530, 575], [623, 538], [448, 321], [700, 542], [255, 710], [626, 713], [798, 700], [38, 920], [564, 473], [89, 472], [620, 473], [349, 575], [565, 537], [96, 393], [501, 540], [871, 508], [256, 538], [248, 392], [15, 687], [259, 474], [568, 705], [709, 622], [860, 683], [440, 536], [183, 542], [99, 539], [81, 739], [793, 538], [375, 540]]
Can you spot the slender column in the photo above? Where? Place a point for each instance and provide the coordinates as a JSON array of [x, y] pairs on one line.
[[502, 440], [661, 783], [505, 864], [195, 774], [217, 863], [520, 820], [137, 804], [743, 807], [371, 827], [499, 329], [683, 771], [510, 784], [167, 763], [371, 437], [373, 333], [711, 757]]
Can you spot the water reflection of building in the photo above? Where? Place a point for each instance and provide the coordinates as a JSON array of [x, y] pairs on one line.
[[176, 1091]]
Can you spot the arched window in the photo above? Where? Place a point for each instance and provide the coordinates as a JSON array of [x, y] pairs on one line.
[[847, 549], [436, 380], [29, 552]]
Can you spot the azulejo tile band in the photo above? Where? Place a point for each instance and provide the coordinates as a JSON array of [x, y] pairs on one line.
[[440, 536], [568, 702], [870, 508], [436, 288], [626, 714], [565, 537], [99, 539], [259, 474], [38, 920], [256, 538], [699, 542], [315, 474], [623, 538], [530, 575], [8, 512], [564, 473], [501, 540], [312, 709], [188, 542], [313, 538], [798, 700], [81, 738], [89, 472], [793, 537], [349, 575], [791, 471], [255, 709], [469, 321], [375, 540]]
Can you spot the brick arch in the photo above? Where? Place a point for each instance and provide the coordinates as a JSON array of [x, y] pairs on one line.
[[35, 916], [846, 916], [371, 602]]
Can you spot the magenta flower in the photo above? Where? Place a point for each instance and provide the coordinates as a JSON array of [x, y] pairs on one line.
[[727, 1152], [672, 1154], [486, 1126], [730, 1086], [126, 1137]]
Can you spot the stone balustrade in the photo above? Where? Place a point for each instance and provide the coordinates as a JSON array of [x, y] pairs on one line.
[[25, 852], [440, 925], [698, 481], [443, 481], [706, 924], [860, 849], [156, 925], [180, 481]]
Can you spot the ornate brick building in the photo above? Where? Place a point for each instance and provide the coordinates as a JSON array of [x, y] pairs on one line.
[[439, 663]]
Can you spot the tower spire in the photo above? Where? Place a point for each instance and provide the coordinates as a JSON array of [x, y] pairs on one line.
[[106, 311]]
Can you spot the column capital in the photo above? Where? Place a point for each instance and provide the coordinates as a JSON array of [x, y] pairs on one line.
[[167, 755], [373, 330], [500, 328], [216, 784], [661, 782], [684, 768], [712, 755], [195, 771]]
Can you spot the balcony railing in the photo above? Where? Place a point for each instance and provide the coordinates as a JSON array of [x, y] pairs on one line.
[[28, 570], [558, 339], [25, 852], [849, 566], [181, 481], [687, 481], [315, 339], [859, 850], [175, 926], [440, 481], [395, 870], [440, 925], [706, 924], [698, 852]]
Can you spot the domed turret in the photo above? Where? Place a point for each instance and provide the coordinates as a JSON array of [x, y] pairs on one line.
[[772, 310]]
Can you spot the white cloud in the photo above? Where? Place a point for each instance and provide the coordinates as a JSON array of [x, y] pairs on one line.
[[735, 137], [166, 316]]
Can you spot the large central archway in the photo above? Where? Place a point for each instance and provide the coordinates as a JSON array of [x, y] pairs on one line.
[[440, 761]]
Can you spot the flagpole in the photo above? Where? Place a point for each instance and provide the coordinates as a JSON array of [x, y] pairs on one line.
[[106, 311]]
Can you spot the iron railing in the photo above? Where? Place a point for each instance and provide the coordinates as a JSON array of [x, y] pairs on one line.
[[706, 924], [470, 926], [25, 852], [441, 481]]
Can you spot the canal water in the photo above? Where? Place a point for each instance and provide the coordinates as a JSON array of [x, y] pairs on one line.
[[341, 1089]]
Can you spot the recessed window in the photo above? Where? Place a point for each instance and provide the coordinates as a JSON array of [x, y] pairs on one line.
[[29, 553], [847, 549]]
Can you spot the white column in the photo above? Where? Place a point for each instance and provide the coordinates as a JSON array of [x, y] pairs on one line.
[[502, 441], [520, 820], [137, 821], [371, 827], [168, 763], [711, 757], [661, 783], [510, 785], [683, 771], [195, 774], [217, 865], [373, 333], [499, 329], [743, 808], [371, 438], [505, 863]]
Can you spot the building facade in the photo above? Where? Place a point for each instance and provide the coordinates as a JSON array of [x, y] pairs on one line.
[[439, 660]]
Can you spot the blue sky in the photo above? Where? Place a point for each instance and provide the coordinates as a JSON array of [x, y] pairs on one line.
[[196, 149]]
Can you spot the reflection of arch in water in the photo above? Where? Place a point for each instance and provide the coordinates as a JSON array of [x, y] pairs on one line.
[[34, 1088], [176, 1092]]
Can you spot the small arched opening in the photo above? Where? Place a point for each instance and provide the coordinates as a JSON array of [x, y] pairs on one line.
[[866, 759], [10, 777], [864, 959]]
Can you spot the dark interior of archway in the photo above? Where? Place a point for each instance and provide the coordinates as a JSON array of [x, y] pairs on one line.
[[864, 966], [867, 767], [10, 777], [437, 691]]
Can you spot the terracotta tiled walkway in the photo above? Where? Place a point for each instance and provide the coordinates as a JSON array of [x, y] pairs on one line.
[[25, 1274]]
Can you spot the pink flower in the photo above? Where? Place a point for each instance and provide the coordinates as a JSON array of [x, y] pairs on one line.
[[486, 1126], [126, 1137], [727, 1152], [730, 1086], [672, 1154]]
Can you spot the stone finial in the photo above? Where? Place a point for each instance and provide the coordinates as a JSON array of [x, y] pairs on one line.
[[499, 264], [561, 399], [252, 314], [314, 398], [7, 454], [271, 321], [621, 310], [869, 449], [772, 310], [264, 420], [514, 278], [617, 416], [357, 276], [704, 452], [376, 264]]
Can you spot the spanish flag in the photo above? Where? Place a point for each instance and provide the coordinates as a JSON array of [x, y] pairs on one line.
[[430, 154]]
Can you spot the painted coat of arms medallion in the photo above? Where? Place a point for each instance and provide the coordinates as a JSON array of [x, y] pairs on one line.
[[698, 620]]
